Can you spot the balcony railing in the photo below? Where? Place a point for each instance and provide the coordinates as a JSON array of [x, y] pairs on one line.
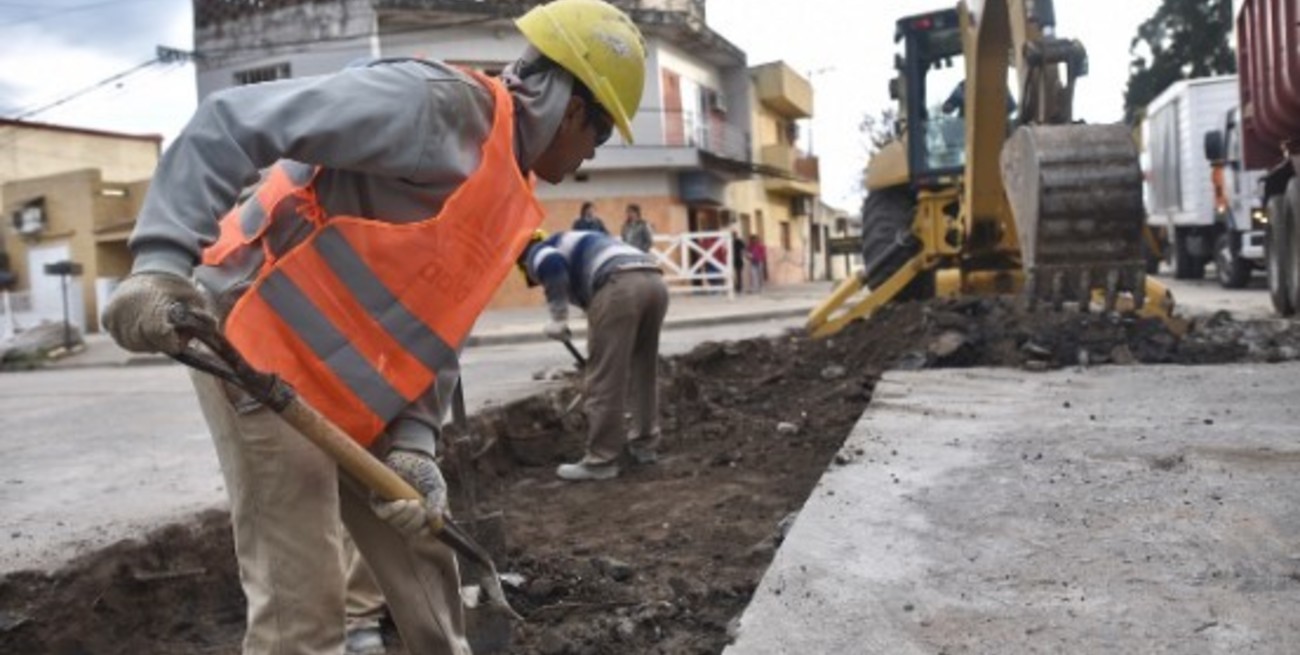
[[713, 134]]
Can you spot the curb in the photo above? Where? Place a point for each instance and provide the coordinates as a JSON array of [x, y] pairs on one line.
[[530, 335], [534, 335]]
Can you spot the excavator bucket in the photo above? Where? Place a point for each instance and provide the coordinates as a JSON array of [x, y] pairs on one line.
[[1076, 195]]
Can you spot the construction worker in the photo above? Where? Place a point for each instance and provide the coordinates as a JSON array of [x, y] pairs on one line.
[[398, 196], [623, 293]]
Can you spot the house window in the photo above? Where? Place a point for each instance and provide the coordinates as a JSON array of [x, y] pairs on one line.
[[785, 236], [262, 74]]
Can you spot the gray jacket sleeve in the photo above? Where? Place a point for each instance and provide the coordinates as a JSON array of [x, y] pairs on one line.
[[393, 119]]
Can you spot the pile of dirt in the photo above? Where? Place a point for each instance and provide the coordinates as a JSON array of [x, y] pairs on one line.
[[664, 558]]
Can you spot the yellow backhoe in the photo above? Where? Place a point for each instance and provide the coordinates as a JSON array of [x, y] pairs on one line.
[[990, 186]]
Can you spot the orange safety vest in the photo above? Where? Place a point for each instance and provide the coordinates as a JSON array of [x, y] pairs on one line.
[[362, 315]]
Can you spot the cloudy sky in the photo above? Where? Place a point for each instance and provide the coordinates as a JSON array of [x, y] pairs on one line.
[[53, 48]]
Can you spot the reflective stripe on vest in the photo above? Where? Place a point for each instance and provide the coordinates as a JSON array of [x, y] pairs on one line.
[[363, 317]]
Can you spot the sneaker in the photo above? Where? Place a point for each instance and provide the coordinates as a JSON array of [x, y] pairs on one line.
[[583, 471], [365, 641]]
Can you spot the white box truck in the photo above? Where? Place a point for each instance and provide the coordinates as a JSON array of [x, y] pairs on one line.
[[1200, 223]]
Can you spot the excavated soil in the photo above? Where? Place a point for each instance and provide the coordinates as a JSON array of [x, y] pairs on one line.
[[662, 559]]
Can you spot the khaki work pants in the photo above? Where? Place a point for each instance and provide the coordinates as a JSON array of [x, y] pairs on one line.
[[363, 598], [286, 497], [623, 324]]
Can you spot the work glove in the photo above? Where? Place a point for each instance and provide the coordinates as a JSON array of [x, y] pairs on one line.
[[558, 330], [136, 316], [411, 517]]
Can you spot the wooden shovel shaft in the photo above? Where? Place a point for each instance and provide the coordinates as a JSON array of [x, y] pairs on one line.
[[350, 455]]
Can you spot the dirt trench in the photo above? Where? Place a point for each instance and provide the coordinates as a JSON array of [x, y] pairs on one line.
[[663, 559]]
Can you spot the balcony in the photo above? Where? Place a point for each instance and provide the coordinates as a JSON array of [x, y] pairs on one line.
[[800, 176], [780, 157], [783, 90]]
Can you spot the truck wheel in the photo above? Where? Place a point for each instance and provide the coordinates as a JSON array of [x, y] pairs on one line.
[[1292, 211], [1233, 271], [1186, 265], [1277, 240], [1150, 259]]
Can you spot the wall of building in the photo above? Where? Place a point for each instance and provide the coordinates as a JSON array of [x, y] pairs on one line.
[[313, 38], [34, 150]]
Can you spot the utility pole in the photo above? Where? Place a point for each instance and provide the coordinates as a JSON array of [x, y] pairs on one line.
[[815, 210]]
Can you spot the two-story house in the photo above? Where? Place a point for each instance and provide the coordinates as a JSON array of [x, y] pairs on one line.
[[68, 194]]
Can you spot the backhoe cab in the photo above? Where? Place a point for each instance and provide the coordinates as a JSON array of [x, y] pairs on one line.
[[990, 186]]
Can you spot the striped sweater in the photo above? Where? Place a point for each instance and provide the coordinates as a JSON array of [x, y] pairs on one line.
[[572, 265]]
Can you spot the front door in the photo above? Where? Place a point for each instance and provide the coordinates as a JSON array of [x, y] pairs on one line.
[[46, 290]]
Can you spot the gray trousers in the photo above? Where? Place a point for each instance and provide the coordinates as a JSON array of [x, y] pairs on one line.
[[623, 323], [286, 498]]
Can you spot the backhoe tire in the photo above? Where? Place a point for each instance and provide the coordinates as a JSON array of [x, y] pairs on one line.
[[888, 242], [1277, 243], [1233, 271], [1186, 265]]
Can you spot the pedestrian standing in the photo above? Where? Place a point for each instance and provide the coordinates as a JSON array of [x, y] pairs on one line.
[[757, 264], [738, 256], [636, 231], [399, 195], [587, 220], [623, 293]]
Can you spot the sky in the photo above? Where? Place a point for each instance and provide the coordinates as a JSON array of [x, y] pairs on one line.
[[50, 49]]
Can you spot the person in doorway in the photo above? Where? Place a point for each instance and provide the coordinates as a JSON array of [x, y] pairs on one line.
[[738, 257], [757, 264], [623, 293], [399, 195], [636, 231], [587, 220]]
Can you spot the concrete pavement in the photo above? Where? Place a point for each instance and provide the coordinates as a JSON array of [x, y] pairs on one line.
[[524, 324], [1111, 510]]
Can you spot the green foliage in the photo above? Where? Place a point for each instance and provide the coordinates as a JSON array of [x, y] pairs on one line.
[[1184, 39]]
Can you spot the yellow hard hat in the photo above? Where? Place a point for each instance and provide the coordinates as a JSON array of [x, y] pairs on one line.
[[599, 45]]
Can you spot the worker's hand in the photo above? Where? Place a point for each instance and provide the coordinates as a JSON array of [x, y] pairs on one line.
[[136, 316], [558, 330], [411, 517]]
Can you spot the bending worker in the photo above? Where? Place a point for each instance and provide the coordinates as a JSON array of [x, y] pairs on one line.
[[398, 196], [623, 292]]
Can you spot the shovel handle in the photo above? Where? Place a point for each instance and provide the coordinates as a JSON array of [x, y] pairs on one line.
[[577, 356]]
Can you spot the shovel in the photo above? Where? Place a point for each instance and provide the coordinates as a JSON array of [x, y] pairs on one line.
[[582, 364], [226, 363]]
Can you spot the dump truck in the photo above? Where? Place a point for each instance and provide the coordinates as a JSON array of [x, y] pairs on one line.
[[1191, 213], [1268, 83], [992, 187]]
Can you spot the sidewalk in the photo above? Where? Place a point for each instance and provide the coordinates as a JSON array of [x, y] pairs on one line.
[[524, 324]]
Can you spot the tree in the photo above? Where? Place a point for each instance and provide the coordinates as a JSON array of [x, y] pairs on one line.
[[877, 130], [1184, 39]]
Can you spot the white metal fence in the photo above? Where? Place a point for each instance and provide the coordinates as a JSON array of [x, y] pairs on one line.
[[697, 262]]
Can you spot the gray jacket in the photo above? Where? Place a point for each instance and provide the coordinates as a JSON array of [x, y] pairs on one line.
[[394, 138]]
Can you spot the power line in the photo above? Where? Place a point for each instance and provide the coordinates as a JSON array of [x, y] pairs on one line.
[[164, 56], [61, 11]]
